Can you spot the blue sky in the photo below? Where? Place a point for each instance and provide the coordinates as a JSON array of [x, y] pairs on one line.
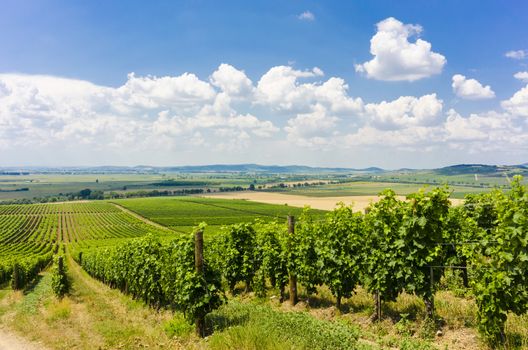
[[101, 42]]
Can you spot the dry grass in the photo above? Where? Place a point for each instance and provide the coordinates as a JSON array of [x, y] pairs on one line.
[[323, 203]]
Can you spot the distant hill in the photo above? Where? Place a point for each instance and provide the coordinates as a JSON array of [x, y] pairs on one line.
[[256, 168], [483, 169], [458, 169], [214, 168]]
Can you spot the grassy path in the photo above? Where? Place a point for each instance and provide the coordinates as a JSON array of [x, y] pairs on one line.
[[93, 316]]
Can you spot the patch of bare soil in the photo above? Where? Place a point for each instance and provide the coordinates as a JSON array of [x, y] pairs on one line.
[[462, 338], [11, 341]]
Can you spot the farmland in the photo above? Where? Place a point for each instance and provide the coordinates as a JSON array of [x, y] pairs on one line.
[[182, 214], [114, 249]]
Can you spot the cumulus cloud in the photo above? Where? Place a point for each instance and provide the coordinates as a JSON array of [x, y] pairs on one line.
[[476, 133], [228, 114], [517, 54], [306, 16], [232, 81], [518, 103], [280, 89], [404, 112], [522, 76], [470, 89], [396, 58], [313, 128], [42, 110]]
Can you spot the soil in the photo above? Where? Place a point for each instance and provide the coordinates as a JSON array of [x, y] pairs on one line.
[[10, 341]]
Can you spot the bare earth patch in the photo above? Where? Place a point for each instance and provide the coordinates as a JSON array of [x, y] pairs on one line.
[[323, 203], [10, 341]]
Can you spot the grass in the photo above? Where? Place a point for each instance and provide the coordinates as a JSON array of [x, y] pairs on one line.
[[93, 316], [251, 326]]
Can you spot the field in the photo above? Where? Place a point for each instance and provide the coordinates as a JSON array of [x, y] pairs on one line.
[[46, 185], [359, 202], [364, 188], [94, 315], [182, 214]]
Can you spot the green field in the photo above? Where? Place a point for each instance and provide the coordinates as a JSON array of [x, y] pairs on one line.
[[45, 185], [363, 188], [183, 213]]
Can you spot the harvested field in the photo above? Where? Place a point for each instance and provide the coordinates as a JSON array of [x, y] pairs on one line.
[[323, 203]]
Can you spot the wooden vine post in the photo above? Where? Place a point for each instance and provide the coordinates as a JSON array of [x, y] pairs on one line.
[[293, 277], [16, 277], [429, 302], [377, 296], [199, 263]]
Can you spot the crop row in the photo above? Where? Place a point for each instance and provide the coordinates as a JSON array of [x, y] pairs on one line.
[[395, 246]]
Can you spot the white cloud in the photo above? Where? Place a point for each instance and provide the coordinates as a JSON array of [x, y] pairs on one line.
[[415, 138], [306, 16], [227, 118], [522, 76], [46, 110], [232, 81], [471, 89], [396, 58], [517, 54], [518, 103], [313, 128], [153, 92], [279, 89], [404, 112]]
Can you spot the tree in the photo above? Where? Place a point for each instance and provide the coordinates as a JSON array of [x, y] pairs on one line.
[[85, 193]]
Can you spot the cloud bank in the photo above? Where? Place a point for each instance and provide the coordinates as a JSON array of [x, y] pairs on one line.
[[187, 119]]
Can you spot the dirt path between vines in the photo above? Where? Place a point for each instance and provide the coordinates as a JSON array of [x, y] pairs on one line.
[[10, 341]]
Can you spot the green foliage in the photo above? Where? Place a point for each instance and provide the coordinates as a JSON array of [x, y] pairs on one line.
[[159, 274], [482, 208], [385, 259], [239, 261], [338, 247], [271, 252], [302, 254], [422, 231], [59, 280], [502, 280], [26, 269]]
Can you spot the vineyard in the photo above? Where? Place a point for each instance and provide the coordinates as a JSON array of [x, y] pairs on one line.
[[30, 234], [418, 247], [182, 214], [397, 246]]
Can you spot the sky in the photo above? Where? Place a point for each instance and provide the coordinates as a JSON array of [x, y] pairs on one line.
[[415, 84]]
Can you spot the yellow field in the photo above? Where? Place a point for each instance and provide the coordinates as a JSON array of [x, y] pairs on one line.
[[323, 203]]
